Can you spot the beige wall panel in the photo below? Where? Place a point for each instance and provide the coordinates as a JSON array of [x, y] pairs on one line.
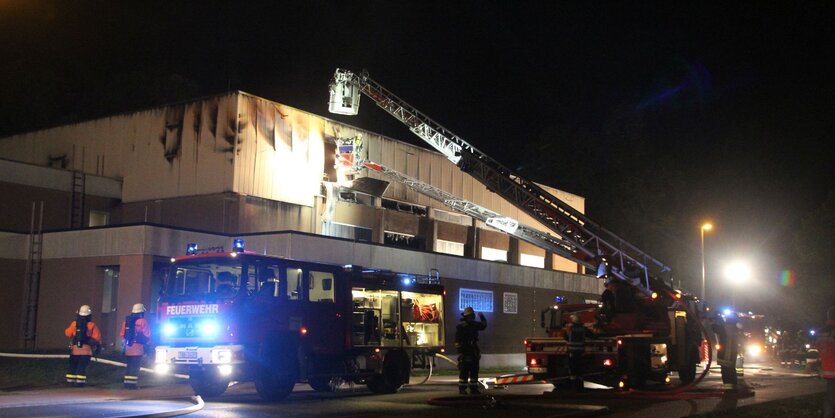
[[354, 214], [403, 223], [528, 248], [493, 239], [452, 232]]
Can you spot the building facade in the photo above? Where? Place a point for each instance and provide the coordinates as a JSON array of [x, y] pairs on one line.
[[93, 211]]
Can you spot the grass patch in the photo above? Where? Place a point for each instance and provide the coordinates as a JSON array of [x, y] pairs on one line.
[[800, 406], [25, 373]]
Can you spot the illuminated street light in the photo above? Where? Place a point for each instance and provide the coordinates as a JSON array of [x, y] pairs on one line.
[[737, 273], [705, 227]]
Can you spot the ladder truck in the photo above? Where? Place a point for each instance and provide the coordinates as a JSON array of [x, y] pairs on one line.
[[651, 330]]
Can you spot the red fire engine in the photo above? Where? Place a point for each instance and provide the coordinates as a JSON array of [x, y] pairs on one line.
[[637, 338], [240, 316]]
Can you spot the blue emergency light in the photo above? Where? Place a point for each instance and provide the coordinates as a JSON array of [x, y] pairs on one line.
[[559, 299], [727, 312], [191, 248], [238, 245]]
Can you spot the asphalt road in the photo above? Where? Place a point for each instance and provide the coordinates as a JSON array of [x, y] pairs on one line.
[[768, 382]]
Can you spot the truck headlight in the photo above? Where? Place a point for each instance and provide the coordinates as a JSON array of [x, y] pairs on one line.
[[162, 368], [209, 328], [225, 369], [754, 350], [169, 329], [222, 356]]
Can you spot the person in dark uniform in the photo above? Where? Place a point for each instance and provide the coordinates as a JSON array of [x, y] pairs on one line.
[[576, 349], [466, 341], [726, 350]]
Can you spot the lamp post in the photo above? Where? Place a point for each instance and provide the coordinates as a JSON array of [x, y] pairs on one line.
[[705, 227]]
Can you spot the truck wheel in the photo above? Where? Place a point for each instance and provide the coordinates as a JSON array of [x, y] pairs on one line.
[[396, 369], [277, 371], [687, 374], [322, 370], [207, 383]]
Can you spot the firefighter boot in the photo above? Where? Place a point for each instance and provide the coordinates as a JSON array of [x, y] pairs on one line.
[[474, 388]]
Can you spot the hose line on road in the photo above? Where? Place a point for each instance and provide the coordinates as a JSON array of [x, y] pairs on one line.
[[93, 359]]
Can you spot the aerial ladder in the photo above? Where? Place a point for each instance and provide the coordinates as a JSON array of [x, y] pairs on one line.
[[656, 326], [578, 238]]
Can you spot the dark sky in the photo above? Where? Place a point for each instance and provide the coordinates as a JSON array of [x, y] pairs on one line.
[[737, 97]]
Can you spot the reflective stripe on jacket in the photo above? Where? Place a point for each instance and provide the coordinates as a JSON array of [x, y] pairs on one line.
[[93, 336], [826, 347], [142, 337]]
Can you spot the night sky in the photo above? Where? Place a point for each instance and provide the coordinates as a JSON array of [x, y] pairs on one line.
[[662, 114]]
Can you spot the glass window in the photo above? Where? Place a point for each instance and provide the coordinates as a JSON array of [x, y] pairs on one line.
[[321, 286], [295, 284], [479, 300], [219, 276]]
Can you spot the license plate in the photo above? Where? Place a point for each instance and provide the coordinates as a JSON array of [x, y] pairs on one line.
[[187, 354]]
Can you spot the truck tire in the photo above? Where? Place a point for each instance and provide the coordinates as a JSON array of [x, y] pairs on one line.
[[687, 374], [322, 371], [277, 371], [396, 370], [207, 383]]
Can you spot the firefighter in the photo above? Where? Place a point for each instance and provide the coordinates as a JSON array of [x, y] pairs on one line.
[[576, 348], [826, 346], [135, 334], [727, 348], [85, 336], [466, 341]]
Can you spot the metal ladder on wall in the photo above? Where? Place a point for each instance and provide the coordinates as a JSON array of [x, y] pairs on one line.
[[33, 277], [79, 180]]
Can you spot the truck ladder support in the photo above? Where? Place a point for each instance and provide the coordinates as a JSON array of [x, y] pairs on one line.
[[591, 244]]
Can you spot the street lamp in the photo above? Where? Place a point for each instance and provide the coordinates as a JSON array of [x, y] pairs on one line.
[[705, 227]]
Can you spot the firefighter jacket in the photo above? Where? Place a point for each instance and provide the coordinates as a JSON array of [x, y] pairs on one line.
[[83, 344], [728, 339], [466, 336], [135, 344], [826, 347]]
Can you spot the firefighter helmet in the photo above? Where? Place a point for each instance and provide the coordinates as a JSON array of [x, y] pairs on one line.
[[575, 318], [138, 308], [468, 311], [84, 310]]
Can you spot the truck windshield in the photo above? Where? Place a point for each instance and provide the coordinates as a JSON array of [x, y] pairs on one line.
[[216, 276]]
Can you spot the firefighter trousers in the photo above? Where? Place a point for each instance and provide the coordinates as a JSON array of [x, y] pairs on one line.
[[575, 368], [468, 374], [132, 371], [77, 372]]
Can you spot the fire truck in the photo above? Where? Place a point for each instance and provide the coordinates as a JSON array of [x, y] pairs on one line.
[[637, 339], [650, 330], [240, 316]]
